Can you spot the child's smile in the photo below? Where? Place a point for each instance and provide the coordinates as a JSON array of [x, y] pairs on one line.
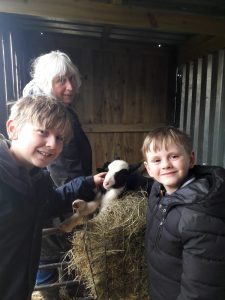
[[44, 153], [169, 166]]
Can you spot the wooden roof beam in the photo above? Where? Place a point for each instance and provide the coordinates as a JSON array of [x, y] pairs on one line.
[[117, 15], [199, 46]]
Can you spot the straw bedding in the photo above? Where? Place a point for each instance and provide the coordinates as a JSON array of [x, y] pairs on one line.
[[108, 251]]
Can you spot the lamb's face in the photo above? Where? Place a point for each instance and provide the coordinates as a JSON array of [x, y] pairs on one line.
[[117, 174]]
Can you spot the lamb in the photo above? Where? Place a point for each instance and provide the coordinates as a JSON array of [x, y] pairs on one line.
[[115, 182]]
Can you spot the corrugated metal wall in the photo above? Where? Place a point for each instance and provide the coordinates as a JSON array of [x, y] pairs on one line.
[[202, 106]]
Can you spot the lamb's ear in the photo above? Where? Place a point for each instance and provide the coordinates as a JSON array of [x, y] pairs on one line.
[[134, 167], [116, 158], [120, 178], [104, 168]]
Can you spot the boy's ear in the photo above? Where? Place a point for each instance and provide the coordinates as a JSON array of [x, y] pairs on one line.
[[11, 130], [192, 159], [147, 168]]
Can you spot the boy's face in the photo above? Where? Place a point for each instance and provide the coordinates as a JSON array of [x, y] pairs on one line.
[[169, 166], [64, 89], [33, 146]]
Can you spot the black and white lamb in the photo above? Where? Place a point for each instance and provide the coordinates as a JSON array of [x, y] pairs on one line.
[[119, 178]]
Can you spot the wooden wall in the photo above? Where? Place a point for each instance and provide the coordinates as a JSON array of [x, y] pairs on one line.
[[126, 90]]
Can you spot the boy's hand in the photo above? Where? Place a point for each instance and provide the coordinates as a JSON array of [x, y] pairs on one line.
[[99, 178]]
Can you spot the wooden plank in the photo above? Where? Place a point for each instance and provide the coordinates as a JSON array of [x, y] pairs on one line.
[[108, 146], [116, 2], [199, 46], [123, 88], [106, 128], [118, 15]]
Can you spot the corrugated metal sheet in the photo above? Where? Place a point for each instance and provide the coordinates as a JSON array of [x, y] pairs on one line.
[[202, 106]]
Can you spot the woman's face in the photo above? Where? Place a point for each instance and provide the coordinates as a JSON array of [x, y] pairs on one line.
[[64, 88]]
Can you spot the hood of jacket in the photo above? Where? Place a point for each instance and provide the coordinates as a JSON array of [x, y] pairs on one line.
[[205, 194], [32, 89], [14, 174]]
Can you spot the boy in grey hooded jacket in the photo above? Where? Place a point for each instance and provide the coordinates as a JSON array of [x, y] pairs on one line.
[[37, 129]]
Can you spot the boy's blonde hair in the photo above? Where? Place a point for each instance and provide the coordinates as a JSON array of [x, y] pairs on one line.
[[47, 66], [163, 136], [42, 111]]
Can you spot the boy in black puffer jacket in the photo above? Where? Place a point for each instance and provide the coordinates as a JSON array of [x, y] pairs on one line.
[[185, 236]]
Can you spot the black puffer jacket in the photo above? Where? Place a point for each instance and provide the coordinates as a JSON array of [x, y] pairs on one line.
[[27, 199], [185, 239]]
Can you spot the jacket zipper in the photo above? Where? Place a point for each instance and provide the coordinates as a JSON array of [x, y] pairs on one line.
[[160, 227], [154, 211]]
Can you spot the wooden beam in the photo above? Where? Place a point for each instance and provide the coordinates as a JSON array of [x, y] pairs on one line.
[[116, 2], [117, 15], [112, 128], [199, 46]]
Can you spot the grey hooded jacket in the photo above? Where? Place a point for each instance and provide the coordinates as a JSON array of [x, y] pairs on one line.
[[27, 199]]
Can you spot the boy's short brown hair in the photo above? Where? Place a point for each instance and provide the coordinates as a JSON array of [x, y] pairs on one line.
[[43, 111], [165, 135]]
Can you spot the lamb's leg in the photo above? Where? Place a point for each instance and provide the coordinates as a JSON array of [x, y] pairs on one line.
[[70, 223], [89, 208], [82, 209]]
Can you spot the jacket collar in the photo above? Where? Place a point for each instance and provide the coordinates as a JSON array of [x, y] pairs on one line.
[[203, 191]]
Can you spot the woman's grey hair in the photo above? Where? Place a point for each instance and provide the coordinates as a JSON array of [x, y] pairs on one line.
[[55, 63]]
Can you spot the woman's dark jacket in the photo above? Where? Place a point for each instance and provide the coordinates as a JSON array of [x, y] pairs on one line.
[[26, 201], [185, 239], [75, 159]]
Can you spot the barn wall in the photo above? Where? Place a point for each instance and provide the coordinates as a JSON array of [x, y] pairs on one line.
[[202, 108], [126, 90]]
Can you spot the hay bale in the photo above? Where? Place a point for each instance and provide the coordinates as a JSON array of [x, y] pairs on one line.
[[108, 252]]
